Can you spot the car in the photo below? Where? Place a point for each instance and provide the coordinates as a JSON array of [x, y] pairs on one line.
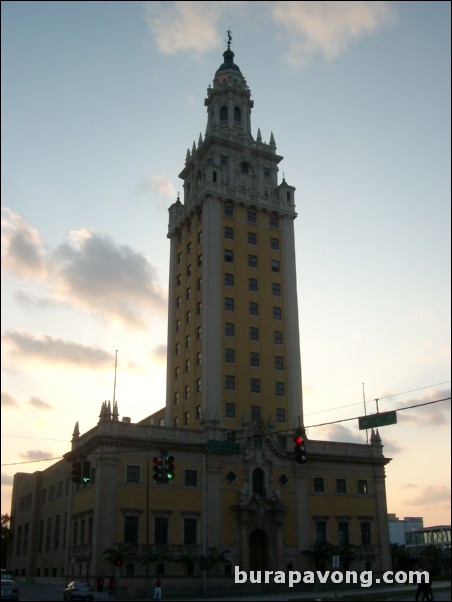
[[7, 574], [10, 591], [78, 590]]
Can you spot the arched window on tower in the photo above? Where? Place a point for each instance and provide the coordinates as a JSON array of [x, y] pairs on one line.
[[223, 114], [237, 115], [258, 482]]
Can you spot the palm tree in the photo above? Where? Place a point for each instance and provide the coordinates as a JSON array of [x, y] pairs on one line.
[[6, 538], [321, 553]]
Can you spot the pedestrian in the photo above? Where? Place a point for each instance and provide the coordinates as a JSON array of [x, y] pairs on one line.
[[112, 587], [424, 589], [100, 584], [158, 590]]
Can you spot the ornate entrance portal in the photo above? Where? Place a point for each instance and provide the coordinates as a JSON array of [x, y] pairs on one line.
[[258, 548]]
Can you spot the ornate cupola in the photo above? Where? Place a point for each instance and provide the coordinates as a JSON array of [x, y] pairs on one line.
[[229, 101]]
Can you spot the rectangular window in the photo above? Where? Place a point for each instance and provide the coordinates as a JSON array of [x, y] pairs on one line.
[[251, 216], [190, 477], [254, 309], [344, 539], [228, 210], [252, 261], [229, 232], [133, 474], [274, 243], [267, 172], [254, 333], [362, 487], [275, 265], [161, 530], [190, 531], [252, 284], [319, 485], [187, 418], [366, 539], [341, 486], [280, 415], [274, 222], [279, 362], [320, 531], [277, 313], [277, 337], [255, 385], [40, 536], [229, 279], [279, 389], [229, 329], [252, 238], [254, 359], [229, 356], [282, 441], [229, 382], [229, 255], [276, 289], [229, 304], [230, 410], [223, 160], [255, 413], [131, 529]]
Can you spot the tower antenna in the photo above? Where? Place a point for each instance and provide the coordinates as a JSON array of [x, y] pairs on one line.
[[365, 414], [114, 386]]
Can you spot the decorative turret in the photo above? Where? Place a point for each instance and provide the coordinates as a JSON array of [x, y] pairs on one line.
[[76, 432]]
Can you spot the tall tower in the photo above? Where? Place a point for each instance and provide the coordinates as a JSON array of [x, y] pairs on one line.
[[233, 332]]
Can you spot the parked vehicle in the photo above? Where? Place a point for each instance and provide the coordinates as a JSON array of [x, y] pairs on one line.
[[78, 590], [10, 591]]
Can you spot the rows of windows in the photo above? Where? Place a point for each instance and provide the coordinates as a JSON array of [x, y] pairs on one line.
[[229, 358], [341, 486], [251, 236], [230, 412], [252, 261], [343, 532], [161, 530], [134, 474], [255, 385], [252, 213]]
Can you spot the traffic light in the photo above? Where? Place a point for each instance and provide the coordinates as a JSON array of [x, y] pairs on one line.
[[300, 449], [169, 468], [158, 469], [86, 471], [76, 473]]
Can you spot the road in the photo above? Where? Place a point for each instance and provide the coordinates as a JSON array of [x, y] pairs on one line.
[[49, 593]]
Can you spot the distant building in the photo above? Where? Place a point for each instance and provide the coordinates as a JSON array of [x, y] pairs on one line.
[[398, 527], [234, 404]]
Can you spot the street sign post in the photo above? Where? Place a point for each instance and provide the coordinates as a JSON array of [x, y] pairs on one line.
[[375, 420]]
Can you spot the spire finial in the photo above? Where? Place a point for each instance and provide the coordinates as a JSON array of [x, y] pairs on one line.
[[229, 38]]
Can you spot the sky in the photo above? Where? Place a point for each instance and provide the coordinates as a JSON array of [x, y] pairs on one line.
[[100, 101]]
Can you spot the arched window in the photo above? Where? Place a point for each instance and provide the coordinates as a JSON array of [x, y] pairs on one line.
[[258, 482], [224, 114], [237, 114]]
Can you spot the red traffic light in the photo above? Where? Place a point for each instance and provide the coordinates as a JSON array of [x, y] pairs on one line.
[[157, 461], [298, 440]]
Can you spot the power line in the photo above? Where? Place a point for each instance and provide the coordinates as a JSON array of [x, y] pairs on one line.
[[419, 405]]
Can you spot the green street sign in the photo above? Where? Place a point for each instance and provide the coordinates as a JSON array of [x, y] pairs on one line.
[[223, 447], [375, 420]]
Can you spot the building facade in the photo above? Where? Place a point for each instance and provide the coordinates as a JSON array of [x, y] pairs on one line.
[[234, 404]]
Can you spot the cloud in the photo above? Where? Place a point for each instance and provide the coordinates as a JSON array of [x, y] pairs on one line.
[[422, 495], [36, 454], [7, 479], [326, 27], [47, 349], [8, 401], [38, 403], [306, 28], [30, 300], [23, 250], [337, 432], [159, 184], [159, 353], [435, 415], [108, 279], [187, 26]]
